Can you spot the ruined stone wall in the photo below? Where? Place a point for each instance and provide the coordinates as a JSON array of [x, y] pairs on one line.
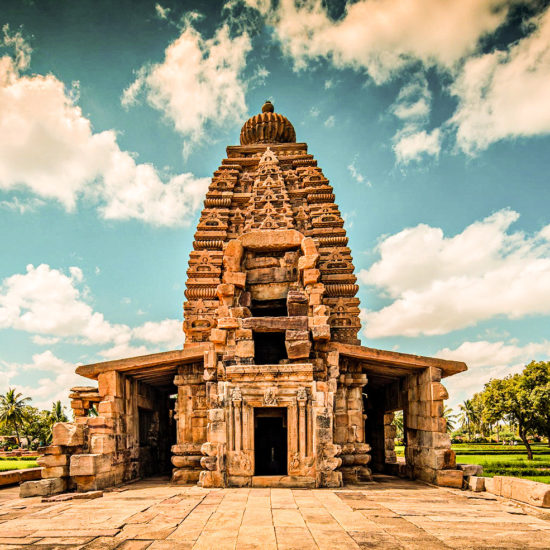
[[100, 451], [428, 452]]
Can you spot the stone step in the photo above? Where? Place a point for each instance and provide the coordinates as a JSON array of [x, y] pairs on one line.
[[283, 481]]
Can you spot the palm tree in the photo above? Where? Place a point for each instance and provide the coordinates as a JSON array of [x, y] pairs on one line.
[[467, 415], [12, 410], [57, 414], [450, 418]]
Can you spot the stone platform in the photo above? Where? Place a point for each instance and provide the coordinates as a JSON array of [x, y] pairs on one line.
[[387, 513]]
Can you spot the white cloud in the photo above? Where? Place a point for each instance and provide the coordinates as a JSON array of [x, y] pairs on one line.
[[21, 48], [259, 77], [413, 101], [439, 284], [45, 340], [48, 147], [414, 146], [496, 354], [356, 175], [314, 112], [199, 84], [46, 301], [22, 205], [53, 377], [51, 305], [488, 360], [505, 93], [168, 332], [412, 107], [329, 122], [162, 13], [383, 36]]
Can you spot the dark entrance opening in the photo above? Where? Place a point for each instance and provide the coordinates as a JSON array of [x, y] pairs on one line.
[[270, 441], [269, 348], [269, 308]]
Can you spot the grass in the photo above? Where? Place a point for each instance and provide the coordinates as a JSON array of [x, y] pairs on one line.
[[504, 460], [20, 463]]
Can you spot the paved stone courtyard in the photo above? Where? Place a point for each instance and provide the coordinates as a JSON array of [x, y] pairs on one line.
[[387, 513]]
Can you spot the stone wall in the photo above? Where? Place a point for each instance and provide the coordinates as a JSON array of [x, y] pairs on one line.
[[100, 451], [428, 445]]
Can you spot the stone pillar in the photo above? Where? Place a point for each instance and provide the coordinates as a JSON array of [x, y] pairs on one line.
[[389, 439], [191, 419], [237, 404], [350, 426], [327, 452], [428, 451], [302, 439]]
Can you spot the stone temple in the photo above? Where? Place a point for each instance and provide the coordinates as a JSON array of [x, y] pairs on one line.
[[272, 386]]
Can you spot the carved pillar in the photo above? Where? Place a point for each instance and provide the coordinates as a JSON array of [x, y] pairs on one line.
[[237, 405], [231, 428], [302, 441]]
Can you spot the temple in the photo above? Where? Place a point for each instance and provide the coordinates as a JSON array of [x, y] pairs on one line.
[[272, 386]]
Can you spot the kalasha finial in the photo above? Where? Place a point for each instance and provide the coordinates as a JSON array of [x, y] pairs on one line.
[[268, 107], [267, 127]]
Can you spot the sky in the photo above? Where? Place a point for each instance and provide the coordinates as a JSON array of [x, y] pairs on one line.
[[430, 118]]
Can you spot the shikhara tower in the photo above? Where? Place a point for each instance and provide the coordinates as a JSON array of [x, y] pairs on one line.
[[273, 386]]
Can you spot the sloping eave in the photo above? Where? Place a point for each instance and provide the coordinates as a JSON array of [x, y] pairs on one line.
[[395, 364], [152, 368]]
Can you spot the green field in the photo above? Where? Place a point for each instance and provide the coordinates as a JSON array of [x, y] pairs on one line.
[[504, 460], [17, 463]]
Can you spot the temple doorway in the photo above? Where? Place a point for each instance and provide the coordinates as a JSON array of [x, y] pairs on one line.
[[270, 441]]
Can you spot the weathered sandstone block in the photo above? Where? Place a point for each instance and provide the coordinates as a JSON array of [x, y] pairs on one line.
[[524, 490], [279, 239], [245, 348], [228, 323], [310, 276], [298, 349], [236, 278], [89, 464], [275, 324], [68, 434], [308, 262], [51, 461], [308, 247], [102, 444], [55, 471], [42, 487], [110, 383], [476, 484], [449, 478], [218, 336], [192, 461]]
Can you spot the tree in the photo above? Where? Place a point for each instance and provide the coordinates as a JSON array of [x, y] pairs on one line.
[[37, 425], [57, 413], [468, 415], [537, 381], [512, 397], [398, 423], [12, 410], [450, 418]]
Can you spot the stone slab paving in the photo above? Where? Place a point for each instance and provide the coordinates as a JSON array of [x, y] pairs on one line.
[[387, 513]]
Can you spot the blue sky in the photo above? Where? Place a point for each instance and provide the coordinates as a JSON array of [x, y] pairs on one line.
[[431, 119]]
